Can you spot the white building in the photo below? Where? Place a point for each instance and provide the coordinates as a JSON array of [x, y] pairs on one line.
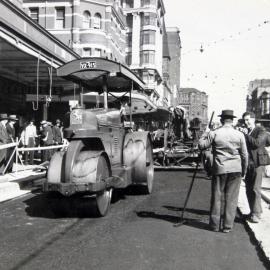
[[144, 52]]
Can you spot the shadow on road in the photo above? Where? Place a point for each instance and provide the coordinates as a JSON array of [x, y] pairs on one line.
[[54, 205], [174, 219], [188, 210]]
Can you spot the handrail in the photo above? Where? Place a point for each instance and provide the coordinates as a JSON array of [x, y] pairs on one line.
[[18, 149]]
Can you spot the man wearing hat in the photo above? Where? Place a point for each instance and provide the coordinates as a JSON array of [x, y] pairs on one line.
[[4, 139], [256, 139], [47, 139], [12, 119], [230, 160], [57, 132]]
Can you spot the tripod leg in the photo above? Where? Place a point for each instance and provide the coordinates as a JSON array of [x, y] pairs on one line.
[[182, 221]]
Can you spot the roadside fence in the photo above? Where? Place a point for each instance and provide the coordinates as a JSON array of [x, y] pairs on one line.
[[17, 150]]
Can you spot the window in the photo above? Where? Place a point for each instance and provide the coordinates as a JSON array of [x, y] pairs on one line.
[[34, 14], [97, 53], [129, 3], [148, 37], [148, 19], [129, 39], [97, 21], [129, 59], [129, 21], [87, 52], [60, 18], [147, 57], [86, 20], [147, 2]]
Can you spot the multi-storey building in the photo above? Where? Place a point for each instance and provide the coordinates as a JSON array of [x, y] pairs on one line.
[[145, 20], [28, 52], [258, 98], [167, 93], [174, 44], [89, 27], [196, 104]]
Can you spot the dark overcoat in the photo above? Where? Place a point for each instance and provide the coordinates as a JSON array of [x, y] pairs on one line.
[[256, 142], [4, 139]]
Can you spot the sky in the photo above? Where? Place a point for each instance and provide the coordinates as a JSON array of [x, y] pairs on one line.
[[235, 37]]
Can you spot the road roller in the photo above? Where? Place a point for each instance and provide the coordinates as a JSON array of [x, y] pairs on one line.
[[103, 153]]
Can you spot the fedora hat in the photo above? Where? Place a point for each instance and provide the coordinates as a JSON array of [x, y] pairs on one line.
[[13, 117], [3, 116], [227, 114], [43, 122]]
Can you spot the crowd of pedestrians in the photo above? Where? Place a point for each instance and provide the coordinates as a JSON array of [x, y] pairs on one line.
[[28, 137], [237, 153]]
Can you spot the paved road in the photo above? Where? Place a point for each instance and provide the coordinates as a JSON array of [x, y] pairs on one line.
[[137, 234]]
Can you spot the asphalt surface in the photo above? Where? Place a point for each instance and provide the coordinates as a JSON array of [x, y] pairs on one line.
[[137, 233]]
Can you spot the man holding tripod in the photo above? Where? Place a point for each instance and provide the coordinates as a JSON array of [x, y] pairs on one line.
[[230, 159]]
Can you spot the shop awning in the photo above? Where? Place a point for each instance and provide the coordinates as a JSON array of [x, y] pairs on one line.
[[28, 51]]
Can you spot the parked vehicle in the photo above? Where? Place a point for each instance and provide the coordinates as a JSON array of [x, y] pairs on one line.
[[103, 153]]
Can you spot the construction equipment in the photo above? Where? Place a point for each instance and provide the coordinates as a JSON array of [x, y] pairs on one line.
[[170, 151], [103, 153]]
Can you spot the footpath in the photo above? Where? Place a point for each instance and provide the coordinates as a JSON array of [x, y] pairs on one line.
[[21, 182], [261, 230]]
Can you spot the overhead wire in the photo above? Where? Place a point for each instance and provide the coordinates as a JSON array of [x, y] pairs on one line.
[[230, 37]]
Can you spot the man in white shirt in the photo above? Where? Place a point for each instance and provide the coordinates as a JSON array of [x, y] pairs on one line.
[[28, 137]]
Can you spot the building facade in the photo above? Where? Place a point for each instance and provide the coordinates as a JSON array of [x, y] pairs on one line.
[[144, 52], [196, 104], [131, 32], [28, 53], [174, 45], [91, 28], [167, 92], [258, 98]]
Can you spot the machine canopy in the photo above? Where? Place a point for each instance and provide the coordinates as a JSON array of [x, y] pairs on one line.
[[93, 73]]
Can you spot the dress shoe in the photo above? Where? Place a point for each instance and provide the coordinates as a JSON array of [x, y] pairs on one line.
[[227, 230], [214, 229], [254, 219]]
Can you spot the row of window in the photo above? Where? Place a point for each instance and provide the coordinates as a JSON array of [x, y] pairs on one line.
[[147, 19], [88, 21], [146, 57], [187, 97], [91, 52], [148, 37], [95, 52], [144, 3]]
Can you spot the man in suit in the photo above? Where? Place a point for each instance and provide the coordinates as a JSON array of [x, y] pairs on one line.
[[230, 159], [47, 139], [12, 119], [57, 132], [4, 139], [256, 139]]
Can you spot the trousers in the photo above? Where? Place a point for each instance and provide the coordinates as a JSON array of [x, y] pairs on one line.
[[253, 182], [229, 185]]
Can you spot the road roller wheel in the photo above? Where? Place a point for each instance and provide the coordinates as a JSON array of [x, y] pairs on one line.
[[149, 167], [103, 199]]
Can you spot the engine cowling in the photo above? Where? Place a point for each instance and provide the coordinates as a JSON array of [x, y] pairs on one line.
[[79, 120]]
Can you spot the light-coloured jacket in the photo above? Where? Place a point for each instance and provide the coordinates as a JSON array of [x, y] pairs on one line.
[[229, 150]]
